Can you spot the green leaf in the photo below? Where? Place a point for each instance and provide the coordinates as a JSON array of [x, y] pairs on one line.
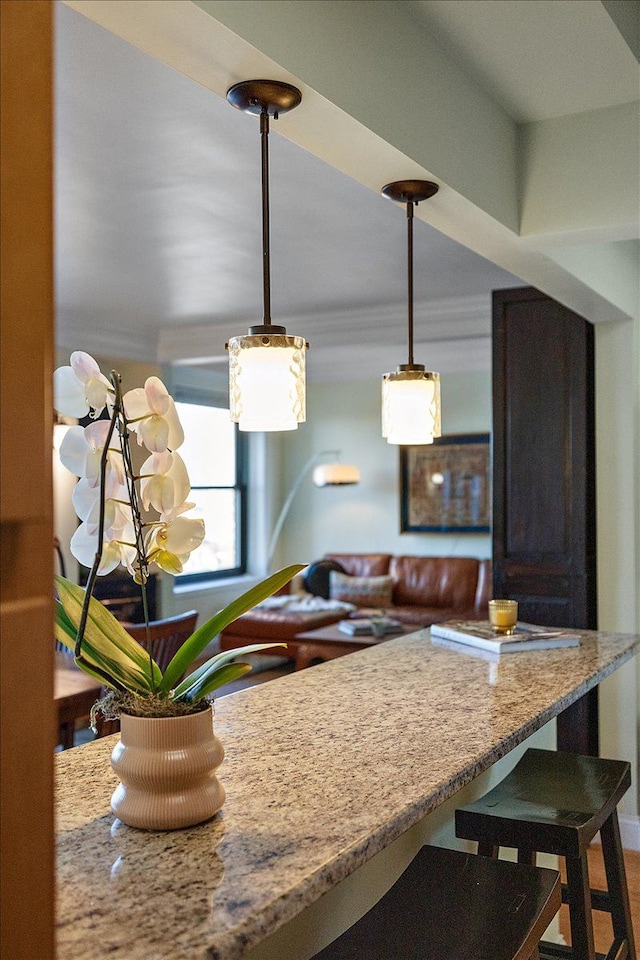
[[211, 681], [220, 660], [92, 659], [63, 620], [196, 643], [106, 643]]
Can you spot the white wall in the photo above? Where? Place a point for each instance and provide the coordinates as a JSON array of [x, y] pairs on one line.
[[618, 524], [366, 518]]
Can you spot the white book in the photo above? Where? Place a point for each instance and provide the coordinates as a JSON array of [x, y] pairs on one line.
[[526, 636], [362, 626]]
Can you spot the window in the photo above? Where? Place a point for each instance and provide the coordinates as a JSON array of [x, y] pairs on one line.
[[215, 456]]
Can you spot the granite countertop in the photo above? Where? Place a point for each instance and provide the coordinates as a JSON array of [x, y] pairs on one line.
[[324, 768]]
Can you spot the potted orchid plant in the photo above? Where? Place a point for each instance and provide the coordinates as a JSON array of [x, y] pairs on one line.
[[138, 519]]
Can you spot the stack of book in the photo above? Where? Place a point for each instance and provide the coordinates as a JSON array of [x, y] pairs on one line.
[[526, 636], [363, 626]]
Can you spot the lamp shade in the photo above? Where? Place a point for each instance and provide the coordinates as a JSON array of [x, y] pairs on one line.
[[411, 407], [267, 381], [335, 474]]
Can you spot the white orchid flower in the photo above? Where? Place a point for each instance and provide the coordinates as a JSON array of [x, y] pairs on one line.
[[151, 413], [170, 515], [117, 509], [172, 543], [81, 387], [165, 482], [81, 450], [84, 547]]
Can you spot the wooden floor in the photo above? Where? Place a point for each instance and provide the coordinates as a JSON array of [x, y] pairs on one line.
[[603, 932]]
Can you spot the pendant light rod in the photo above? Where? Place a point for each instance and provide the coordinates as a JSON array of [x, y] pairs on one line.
[[266, 255], [265, 99], [410, 278], [410, 192]]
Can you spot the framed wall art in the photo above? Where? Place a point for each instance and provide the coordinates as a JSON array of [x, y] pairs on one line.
[[445, 487]]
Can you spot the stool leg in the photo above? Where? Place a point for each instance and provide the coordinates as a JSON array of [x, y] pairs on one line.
[[66, 733], [526, 856], [487, 849], [617, 883], [579, 901]]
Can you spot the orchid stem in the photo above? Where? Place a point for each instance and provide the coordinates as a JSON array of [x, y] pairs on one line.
[[117, 405], [118, 416], [138, 525]]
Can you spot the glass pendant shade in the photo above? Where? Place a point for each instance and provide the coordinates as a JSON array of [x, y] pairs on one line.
[[266, 382], [411, 407]]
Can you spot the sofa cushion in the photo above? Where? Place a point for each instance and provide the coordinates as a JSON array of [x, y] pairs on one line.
[[261, 625], [362, 564], [363, 591], [484, 591], [434, 581]]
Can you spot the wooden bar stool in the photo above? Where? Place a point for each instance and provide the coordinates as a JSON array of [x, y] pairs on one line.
[[556, 803], [449, 905]]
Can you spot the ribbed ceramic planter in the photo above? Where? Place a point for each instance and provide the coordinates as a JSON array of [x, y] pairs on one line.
[[166, 768]]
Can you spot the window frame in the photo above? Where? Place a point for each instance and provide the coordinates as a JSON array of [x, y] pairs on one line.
[[212, 399]]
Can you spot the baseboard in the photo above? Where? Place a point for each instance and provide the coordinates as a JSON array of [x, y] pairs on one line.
[[629, 831]]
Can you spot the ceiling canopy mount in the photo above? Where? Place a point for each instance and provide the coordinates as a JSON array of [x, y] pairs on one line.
[[410, 191], [272, 96]]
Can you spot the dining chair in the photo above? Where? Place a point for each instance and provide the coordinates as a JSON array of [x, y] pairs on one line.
[[166, 636]]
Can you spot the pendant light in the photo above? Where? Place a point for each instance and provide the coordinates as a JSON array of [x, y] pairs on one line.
[[411, 395], [267, 366]]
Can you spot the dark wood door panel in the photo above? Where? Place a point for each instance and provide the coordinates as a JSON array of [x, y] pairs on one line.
[[544, 470]]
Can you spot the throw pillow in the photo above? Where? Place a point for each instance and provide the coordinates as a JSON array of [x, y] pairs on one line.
[[363, 591], [316, 577]]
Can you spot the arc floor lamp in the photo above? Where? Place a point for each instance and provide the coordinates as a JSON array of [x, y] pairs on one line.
[[331, 474]]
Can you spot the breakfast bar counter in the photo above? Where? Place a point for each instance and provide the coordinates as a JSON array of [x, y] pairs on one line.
[[324, 769]]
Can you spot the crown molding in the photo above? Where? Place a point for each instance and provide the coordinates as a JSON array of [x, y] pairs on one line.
[[450, 335], [370, 361], [106, 340], [384, 324]]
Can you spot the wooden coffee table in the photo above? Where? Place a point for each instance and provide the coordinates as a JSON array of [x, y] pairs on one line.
[[327, 643]]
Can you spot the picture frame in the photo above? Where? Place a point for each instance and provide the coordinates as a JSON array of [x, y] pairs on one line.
[[445, 487]]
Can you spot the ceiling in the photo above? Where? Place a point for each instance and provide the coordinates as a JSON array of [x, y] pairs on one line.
[[158, 238], [538, 58]]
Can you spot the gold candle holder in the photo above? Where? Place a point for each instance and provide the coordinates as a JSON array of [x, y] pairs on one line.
[[503, 615]]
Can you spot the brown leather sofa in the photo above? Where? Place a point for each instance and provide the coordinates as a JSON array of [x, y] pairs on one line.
[[425, 590]]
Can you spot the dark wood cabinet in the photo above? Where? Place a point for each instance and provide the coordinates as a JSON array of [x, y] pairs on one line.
[[544, 524]]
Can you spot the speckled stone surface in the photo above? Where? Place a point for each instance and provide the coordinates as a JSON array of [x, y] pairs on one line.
[[324, 768]]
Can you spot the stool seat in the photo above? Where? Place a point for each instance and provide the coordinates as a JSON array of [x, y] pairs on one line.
[[556, 803], [449, 905]]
